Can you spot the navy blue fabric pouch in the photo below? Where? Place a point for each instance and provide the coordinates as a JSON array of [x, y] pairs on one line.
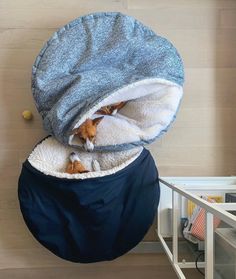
[[93, 219]]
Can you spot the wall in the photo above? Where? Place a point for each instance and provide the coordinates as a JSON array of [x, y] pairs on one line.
[[202, 140]]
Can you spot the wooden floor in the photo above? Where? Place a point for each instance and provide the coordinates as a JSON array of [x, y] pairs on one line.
[[201, 142], [138, 266]]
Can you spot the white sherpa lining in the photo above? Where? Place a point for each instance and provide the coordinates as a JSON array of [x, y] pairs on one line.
[[51, 157], [151, 107]]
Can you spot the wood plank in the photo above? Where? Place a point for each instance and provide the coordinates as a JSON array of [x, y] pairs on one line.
[[9, 158], [200, 136], [10, 79], [9, 177], [194, 156], [190, 18], [24, 38], [216, 47], [42, 17], [204, 117], [12, 117], [151, 234], [17, 59], [61, 5], [28, 138], [201, 170], [14, 233], [209, 88], [103, 272], [41, 258], [193, 4], [179, 17], [227, 18]]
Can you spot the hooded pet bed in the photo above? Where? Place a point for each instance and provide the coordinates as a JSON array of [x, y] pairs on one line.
[[101, 59], [97, 60], [88, 217]]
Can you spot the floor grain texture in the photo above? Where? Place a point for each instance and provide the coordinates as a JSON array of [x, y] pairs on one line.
[[138, 266], [201, 142]]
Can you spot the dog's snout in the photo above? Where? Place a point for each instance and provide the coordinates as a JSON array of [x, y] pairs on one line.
[[89, 146]]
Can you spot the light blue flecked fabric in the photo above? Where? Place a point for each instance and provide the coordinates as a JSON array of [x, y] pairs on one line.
[[91, 57]]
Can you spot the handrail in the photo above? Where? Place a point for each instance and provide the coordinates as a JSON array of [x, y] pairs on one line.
[[215, 210], [211, 210]]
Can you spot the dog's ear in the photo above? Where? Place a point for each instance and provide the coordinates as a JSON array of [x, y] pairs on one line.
[[75, 131], [96, 121]]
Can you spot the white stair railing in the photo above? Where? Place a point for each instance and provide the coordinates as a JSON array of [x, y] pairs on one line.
[[211, 210]]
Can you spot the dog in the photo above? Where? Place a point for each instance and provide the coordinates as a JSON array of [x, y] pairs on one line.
[[75, 165], [87, 131], [111, 109]]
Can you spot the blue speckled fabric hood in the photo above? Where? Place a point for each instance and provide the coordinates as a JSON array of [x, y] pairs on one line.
[[91, 58]]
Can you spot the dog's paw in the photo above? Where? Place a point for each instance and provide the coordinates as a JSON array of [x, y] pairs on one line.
[[114, 112], [96, 165]]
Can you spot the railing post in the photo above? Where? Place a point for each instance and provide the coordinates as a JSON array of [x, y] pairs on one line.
[[175, 221], [209, 245]]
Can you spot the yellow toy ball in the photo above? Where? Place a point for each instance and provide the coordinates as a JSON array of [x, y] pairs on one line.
[[27, 115]]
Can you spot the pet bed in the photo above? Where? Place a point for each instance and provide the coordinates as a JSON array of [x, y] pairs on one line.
[[93, 61]]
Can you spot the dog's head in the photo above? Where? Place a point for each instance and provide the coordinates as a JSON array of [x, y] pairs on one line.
[[87, 132]]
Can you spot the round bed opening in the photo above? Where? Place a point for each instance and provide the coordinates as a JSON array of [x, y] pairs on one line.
[[51, 157], [151, 107]]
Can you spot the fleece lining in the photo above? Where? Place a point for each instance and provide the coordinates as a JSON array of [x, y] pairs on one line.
[[151, 107], [51, 157]]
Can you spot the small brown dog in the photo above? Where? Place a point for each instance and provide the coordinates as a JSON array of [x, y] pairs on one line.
[[111, 109], [75, 165], [87, 131]]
